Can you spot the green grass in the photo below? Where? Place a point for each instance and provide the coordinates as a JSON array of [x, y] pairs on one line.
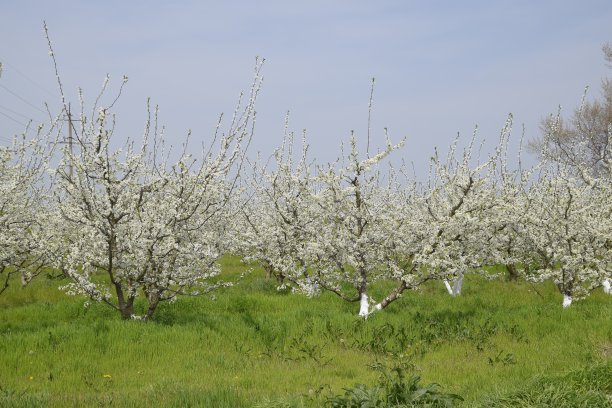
[[498, 344], [589, 387]]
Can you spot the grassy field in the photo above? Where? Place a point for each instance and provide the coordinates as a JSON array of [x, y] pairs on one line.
[[499, 344]]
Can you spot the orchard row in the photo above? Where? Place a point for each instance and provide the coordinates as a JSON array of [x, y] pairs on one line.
[[130, 222]]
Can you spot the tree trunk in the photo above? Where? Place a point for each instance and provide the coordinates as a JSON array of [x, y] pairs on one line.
[[513, 274], [280, 278], [126, 306], [455, 289], [457, 285], [607, 286], [391, 297], [566, 286], [153, 299], [449, 288], [364, 307], [567, 301], [269, 270], [126, 309]]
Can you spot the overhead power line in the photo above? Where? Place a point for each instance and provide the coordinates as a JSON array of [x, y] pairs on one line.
[[20, 114], [13, 119], [27, 78], [22, 99]]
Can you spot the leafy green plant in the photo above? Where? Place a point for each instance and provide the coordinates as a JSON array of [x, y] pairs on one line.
[[397, 386], [356, 397]]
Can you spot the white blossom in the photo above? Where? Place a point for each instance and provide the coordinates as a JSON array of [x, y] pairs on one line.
[[128, 223]]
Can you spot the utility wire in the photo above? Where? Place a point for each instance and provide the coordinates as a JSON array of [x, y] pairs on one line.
[[13, 119], [20, 114], [11, 66], [22, 99], [26, 129]]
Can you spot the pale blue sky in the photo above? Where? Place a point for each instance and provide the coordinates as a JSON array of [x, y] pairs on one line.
[[441, 66]]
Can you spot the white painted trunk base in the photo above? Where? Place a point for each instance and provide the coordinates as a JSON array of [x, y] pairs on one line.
[[458, 285], [567, 301], [607, 286], [455, 289], [364, 308], [448, 287]]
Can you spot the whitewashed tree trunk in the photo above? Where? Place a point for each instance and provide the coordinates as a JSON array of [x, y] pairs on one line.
[[567, 301], [364, 308], [449, 288], [607, 286], [457, 285], [455, 289]]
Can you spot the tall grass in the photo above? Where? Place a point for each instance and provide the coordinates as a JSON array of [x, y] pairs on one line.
[[251, 345]]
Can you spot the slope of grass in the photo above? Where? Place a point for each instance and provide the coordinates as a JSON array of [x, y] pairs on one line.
[[251, 345]]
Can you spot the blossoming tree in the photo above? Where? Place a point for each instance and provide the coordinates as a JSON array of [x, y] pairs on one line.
[[567, 230], [21, 167], [455, 223], [130, 223], [358, 224], [279, 215]]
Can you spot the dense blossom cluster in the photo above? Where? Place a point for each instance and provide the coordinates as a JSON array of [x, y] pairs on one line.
[[565, 229], [342, 226], [128, 223], [154, 228], [22, 167]]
